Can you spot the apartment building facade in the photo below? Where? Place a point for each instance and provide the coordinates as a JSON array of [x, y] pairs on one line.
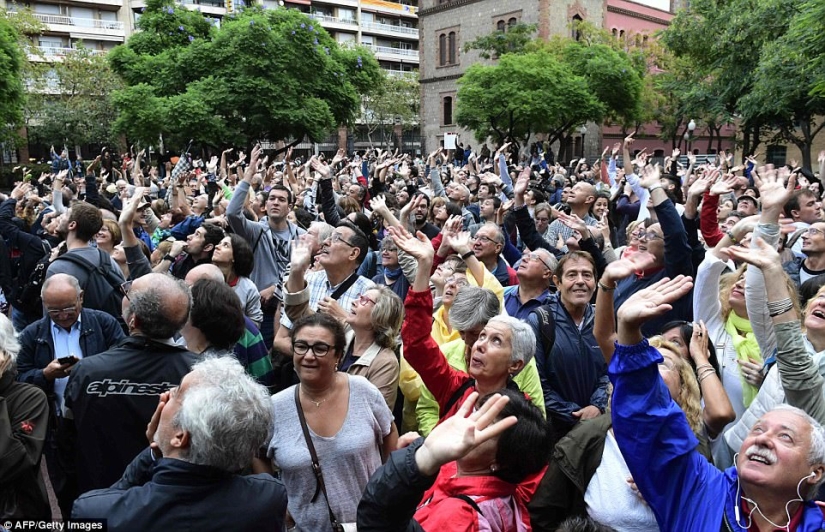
[[390, 29]]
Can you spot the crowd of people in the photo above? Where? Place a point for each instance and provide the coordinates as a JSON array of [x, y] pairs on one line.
[[379, 341]]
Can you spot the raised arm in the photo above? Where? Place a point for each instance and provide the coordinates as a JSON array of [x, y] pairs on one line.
[[604, 325], [650, 428], [797, 370]]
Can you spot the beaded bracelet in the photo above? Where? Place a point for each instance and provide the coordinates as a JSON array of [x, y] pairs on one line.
[[775, 308]]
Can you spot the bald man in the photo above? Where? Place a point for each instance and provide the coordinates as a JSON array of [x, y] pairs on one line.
[[113, 395], [580, 199], [250, 349]]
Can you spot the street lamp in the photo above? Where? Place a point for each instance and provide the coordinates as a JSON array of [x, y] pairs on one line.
[[582, 131]]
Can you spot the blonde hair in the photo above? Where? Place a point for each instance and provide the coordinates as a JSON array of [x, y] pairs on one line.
[[114, 230], [689, 399], [632, 227], [387, 316], [728, 280]]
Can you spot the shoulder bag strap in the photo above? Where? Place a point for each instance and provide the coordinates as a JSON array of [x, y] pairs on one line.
[[316, 466], [345, 285]]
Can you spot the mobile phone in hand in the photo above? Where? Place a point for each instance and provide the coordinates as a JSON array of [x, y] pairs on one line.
[[68, 360]]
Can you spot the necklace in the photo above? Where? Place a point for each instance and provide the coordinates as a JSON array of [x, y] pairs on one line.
[[316, 403]]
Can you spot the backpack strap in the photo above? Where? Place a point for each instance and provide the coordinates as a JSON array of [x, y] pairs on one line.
[[547, 327], [104, 269], [458, 394]]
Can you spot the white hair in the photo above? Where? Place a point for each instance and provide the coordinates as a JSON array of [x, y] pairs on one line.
[[816, 454], [226, 413], [8, 338], [522, 338]]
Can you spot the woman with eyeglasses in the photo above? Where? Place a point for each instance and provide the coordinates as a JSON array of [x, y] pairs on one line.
[[373, 323], [349, 425]]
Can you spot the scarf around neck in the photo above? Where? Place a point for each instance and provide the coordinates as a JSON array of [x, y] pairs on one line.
[[747, 349]]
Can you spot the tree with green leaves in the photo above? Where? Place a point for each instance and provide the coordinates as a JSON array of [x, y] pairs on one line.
[[394, 100], [550, 88], [71, 101], [265, 74], [764, 73], [510, 41], [523, 94], [12, 94]]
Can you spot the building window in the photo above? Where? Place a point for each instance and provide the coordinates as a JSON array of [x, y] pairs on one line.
[[512, 22], [577, 20], [447, 111], [501, 26], [447, 47], [615, 33], [776, 155]]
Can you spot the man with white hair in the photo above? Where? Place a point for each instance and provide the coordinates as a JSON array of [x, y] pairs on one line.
[[779, 466], [204, 433]]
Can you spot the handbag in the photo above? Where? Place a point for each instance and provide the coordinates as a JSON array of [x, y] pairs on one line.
[[319, 475]]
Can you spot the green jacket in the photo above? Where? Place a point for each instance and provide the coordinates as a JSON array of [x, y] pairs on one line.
[[427, 411]]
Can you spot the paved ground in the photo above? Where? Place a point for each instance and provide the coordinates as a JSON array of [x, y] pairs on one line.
[[56, 515]]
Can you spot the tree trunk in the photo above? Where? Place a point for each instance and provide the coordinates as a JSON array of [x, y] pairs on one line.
[[805, 147]]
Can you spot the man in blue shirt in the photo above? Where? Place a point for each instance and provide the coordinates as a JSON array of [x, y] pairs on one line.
[[535, 272]]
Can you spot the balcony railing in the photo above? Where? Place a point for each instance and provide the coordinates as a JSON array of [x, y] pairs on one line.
[[401, 73], [54, 51], [390, 6], [80, 22], [333, 20], [377, 26], [393, 51]]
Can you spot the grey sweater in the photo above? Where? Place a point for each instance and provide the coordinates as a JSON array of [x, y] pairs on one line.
[[271, 251]]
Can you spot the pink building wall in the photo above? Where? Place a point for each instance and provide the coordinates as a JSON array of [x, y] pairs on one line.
[[645, 19]]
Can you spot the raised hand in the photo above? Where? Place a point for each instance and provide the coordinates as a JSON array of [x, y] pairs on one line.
[[340, 155], [301, 253], [651, 174], [461, 242], [724, 185], [628, 140], [625, 267], [320, 167], [93, 165], [463, 432], [773, 192], [616, 148], [701, 185], [130, 207], [763, 256], [653, 301], [419, 246], [698, 349], [675, 153], [378, 205], [21, 190], [521, 183], [575, 223]]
